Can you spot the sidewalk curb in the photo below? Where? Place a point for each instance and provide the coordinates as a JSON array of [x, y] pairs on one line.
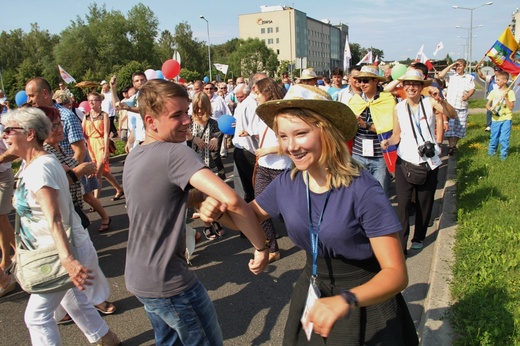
[[434, 327]]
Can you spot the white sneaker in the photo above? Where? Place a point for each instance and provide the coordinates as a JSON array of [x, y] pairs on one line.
[[488, 129]]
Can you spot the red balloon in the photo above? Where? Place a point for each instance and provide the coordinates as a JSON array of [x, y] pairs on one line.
[[182, 80], [171, 69], [85, 106]]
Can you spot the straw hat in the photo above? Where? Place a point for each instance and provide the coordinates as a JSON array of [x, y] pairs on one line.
[[370, 71], [314, 99], [308, 73], [416, 76]]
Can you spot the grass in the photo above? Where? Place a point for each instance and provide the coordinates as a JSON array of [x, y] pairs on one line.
[[477, 103], [486, 282]]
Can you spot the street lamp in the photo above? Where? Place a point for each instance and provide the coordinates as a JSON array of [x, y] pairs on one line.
[[209, 48], [471, 9]]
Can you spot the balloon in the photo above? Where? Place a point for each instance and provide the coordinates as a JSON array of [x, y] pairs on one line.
[[182, 80], [206, 79], [150, 74], [398, 70], [20, 98], [85, 106], [159, 74], [226, 124], [171, 69]]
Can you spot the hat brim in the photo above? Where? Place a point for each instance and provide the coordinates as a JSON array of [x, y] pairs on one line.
[[369, 75], [339, 114], [425, 82]]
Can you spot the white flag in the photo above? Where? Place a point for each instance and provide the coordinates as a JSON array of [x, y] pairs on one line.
[[438, 48], [66, 76], [420, 53], [222, 68], [367, 59], [347, 55]]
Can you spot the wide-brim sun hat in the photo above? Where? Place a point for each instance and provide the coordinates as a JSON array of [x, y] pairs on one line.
[[316, 100], [370, 71], [308, 74], [415, 76]]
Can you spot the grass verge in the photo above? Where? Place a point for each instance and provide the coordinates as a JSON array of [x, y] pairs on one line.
[[486, 273]]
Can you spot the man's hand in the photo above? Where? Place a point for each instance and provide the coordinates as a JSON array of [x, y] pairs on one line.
[[210, 210]]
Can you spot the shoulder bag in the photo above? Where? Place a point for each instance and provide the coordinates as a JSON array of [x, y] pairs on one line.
[[40, 270]]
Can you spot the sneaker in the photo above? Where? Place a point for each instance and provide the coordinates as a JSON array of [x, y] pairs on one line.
[[417, 245], [488, 129]]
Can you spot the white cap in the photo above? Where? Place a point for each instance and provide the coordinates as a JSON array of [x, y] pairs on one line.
[[103, 82]]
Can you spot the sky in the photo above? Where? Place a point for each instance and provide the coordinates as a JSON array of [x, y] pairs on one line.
[[398, 27]]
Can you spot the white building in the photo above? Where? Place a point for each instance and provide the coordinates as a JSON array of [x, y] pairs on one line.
[[304, 41]]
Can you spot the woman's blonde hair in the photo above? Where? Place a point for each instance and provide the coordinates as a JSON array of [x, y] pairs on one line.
[[205, 105], [335, 156]]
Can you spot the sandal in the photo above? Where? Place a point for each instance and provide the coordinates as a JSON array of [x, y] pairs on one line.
[[106, 308], [105, 226], [209, 233], [118, 196], [220, 230], [65, 320]]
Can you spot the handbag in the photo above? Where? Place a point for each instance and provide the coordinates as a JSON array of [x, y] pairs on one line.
[[40, 270], [414, 174]]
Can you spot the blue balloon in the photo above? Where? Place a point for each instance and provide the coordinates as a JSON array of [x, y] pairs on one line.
[[206, 79], [226, 124], [20, 98], [159, 74]]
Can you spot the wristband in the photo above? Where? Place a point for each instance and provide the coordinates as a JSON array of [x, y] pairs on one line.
[[72, 176], [351, 300]]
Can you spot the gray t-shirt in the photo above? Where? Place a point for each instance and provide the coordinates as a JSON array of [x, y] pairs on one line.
[[156, 183]]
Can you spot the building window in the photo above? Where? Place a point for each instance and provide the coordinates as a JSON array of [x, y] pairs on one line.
[[262, 31], [270, 41], [278, 52], [277, 29], [277, 40], [269, 30]]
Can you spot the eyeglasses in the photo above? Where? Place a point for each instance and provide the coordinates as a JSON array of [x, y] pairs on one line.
[[11, 130], [56, 126], [223, 88], [365, 80], [409, 83]]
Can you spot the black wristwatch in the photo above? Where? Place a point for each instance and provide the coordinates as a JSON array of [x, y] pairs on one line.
[[351, 300]]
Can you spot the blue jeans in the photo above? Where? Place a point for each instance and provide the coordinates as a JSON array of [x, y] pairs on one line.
[[500, 133], [377, 167], [188, 318]]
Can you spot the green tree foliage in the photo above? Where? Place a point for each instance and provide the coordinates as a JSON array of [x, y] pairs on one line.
[[193, 52], [251, 56]]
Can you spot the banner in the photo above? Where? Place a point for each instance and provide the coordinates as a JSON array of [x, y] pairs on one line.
[[504, 53], [66, 76], [222, 68], [347, 55]]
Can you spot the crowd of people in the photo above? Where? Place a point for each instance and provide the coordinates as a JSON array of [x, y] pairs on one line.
[[315, 153]]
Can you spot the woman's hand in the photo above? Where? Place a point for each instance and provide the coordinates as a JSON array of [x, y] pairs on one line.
[[199, 142], [213, 144], [243, 134], [259, 262], [85, 168], [325, 312], [79, 274], [262, 152]]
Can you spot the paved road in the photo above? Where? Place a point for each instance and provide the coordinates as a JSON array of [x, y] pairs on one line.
[[252, 309]]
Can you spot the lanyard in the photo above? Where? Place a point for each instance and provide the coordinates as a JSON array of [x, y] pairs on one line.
[[315, 232]]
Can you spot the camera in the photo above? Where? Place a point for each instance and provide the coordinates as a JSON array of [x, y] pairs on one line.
[[427, 149]]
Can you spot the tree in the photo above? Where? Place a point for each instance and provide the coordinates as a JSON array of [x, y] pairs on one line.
[[143, 29], [191, 50], [251, 56]]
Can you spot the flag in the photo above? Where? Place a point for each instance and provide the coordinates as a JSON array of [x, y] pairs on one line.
[[346, 55], [222, 68], [66, 76], [423, 58], [504, 53], [438, 48], [376, 60], [367, 59]]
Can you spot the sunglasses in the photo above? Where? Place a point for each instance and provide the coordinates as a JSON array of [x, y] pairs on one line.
[[412, 83], [365, 80], [11, 130]]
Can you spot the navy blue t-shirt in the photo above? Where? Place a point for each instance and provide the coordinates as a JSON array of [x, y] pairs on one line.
[[352, 216]]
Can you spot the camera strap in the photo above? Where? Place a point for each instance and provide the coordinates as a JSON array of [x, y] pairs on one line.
[[419, 125]]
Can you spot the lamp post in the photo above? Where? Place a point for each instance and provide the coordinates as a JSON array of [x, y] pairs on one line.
[[209, 48], [470, 43]]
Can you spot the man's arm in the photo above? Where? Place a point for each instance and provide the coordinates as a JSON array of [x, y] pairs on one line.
[[79, 150]]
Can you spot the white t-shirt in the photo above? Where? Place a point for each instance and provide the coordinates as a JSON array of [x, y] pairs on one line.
[[46, 170], [107, 106]]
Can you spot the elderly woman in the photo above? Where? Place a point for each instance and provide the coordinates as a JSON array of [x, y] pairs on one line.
[[349, 291], [418, 129], [43, 202]]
